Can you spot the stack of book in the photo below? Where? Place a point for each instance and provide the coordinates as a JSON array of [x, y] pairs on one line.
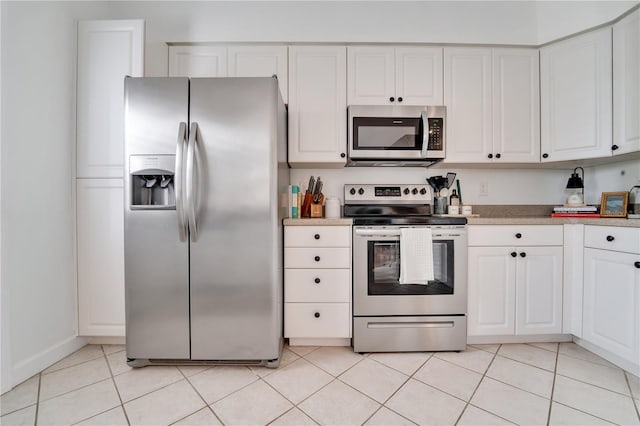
[[575, 211]]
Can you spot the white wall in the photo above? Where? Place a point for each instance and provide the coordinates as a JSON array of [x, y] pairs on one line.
[[613, 177]]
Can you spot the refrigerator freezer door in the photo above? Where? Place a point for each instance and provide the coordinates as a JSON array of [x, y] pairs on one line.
[[156, 261], [236, 284]]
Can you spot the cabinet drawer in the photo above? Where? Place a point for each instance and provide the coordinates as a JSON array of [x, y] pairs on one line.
[[615, 238], [317, 320], [317, 236], [317, 257], [317, 285], [515, 235]]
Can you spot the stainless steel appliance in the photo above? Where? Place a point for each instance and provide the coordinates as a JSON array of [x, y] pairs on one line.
[[389, 316], [205, 163], [396, 135]]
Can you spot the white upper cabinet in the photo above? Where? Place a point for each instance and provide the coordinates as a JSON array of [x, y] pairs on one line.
[[493, 106], [260, 61], [576, 97], [394, 75], [231, 61], [516, 106], [107, 52], [317, 106], [197, 61], [626, 84], [467, 96]]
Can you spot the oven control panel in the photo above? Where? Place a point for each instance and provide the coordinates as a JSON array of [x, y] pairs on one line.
[[387, 194]]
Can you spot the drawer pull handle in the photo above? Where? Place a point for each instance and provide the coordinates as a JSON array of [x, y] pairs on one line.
[[610, 238], [523, 254], [317, 258], [518, 235], [514, 254], [317, 315], [317, 280], [317, 236], [637, 265]]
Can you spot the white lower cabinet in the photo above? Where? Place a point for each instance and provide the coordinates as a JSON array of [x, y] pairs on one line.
[[317, 285], [611, 311], [100, 239], [517, 289]]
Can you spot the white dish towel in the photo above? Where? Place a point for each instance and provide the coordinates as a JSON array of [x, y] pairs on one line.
[[416, 256]]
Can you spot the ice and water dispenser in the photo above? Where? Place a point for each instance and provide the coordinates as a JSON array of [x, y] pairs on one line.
[[152, 182]]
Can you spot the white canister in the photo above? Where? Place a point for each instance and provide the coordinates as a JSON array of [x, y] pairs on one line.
[[454, 209], [467, 210], [332, 208]]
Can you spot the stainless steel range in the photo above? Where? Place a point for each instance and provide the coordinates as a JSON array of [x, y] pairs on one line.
[[391, 316]]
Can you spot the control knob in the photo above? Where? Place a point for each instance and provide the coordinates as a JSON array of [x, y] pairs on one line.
[[360, 191], [352, 191], [414, 191], [423, 191], [406, 191]]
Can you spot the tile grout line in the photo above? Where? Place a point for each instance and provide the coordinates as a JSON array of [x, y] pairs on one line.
[[553, 385], [633, 400], [113, 380], [206, 405], [35, 420]]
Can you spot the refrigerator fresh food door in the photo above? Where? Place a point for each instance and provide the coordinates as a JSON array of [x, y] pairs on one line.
[[156, 260], [235, 268]]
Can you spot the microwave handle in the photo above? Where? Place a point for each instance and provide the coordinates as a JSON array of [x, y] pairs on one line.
[[425, 134]]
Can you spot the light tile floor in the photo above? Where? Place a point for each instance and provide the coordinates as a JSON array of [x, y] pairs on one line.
[[527, 384]]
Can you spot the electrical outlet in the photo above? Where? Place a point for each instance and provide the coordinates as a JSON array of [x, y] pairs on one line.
[[484, 189]]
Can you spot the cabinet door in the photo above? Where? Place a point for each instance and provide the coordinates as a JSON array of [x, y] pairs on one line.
[[467, 96], [197, 61], [491, 309], [626, 84], [317, 106], [612, 302], [260, 61], [419, 75], [371, 78], [100, 248], [516, 106], [575, 80], [539, 290], [107, 52]]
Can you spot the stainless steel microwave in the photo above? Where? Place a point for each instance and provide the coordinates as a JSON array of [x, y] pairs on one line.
[[396, 135]]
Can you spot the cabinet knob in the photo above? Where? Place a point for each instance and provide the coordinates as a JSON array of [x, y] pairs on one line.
[[614, 147], [317, 258], [342, 155], [518, 235], [545, 155], [514, 254], [391, 99], [317, 280], [610, 238], [637, 265], [490, 156], [317, 236], [498, 155], [317, 315], [523, 254], [400, 99]]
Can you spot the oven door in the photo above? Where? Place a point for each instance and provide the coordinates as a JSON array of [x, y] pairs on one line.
[[376, 272]]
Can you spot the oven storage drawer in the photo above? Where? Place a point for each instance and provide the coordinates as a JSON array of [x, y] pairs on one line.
[[317, 236], [616, 238], [317, 285], [317, 257], [419, 333], [515, 235], [317, 320]]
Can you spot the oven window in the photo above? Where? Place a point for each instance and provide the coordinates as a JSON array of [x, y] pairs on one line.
[[387, 133], [384, 270]]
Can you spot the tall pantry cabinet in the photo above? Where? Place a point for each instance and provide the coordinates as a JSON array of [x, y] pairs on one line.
[[107, 52]]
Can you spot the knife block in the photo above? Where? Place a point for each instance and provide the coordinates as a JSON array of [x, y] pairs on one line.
[[316, 210]]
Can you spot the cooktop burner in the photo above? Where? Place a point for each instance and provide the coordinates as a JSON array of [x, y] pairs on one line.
[[393, 205]]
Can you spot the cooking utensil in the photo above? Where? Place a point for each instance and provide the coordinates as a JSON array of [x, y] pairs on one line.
[[312, 182], [451, 178], [459, 191], [318, 191]]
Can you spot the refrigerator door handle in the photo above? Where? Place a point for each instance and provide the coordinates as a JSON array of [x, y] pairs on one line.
[[190, 175], [178, 181]]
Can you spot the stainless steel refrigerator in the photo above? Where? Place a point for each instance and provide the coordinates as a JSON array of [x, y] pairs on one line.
[[206, 172]]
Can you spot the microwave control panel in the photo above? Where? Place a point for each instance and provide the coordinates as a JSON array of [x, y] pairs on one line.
[[436, 134]]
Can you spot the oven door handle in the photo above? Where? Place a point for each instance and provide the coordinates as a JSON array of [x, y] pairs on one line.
[[393, 233]]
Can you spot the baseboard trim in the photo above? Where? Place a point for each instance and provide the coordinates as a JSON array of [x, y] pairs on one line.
[[533, 338], [25, 369], [626, 365], [107, 340], [319, 342]]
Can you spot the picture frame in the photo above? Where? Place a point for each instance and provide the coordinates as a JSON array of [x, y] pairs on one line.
[[614, 204]]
